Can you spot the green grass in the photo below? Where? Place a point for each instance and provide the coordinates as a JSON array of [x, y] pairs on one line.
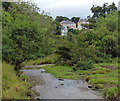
[[111, 92], [107, 64], [47, 60], [99, 77], [12, 86], [65, 72]]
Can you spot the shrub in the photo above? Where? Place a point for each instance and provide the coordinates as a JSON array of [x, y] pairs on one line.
[[111, 92], [99, 86], [99, 72], [84, 65], [97, 81], [12, 87]]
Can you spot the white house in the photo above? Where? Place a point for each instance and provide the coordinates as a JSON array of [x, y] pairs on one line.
[[66, 25], [82, 22], [72, 25], [64, 30]]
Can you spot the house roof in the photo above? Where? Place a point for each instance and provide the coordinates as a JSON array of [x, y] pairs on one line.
[[67, 22], [83, 21]]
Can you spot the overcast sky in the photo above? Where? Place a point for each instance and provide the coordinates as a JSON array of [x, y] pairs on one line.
[[70, 8]]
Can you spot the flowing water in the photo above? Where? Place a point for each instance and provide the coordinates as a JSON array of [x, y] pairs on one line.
[[49, 87]]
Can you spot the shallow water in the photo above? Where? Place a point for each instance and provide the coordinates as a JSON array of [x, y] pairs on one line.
[[49, 87]]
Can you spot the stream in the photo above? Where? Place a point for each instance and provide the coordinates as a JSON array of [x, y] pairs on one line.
[[47, 86]]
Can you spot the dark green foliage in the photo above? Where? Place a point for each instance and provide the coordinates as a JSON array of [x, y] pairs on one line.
[[111, 93], [84, 65], [75, 20], [30, 35], [58, 28], [99, 44], [61, 18], [74, 31], [64, 55], [26, 33], [110, 44], [99, 11]]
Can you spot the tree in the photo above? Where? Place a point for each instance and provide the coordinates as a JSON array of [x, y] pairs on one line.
[[23, 37], [25, 40], [110, 45], [99, 11], [112, 7], [73, 31], [75, 20], [61, 18], [58, 27], [6, 5]]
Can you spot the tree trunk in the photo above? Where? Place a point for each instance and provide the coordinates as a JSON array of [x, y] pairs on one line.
[[17, 65]]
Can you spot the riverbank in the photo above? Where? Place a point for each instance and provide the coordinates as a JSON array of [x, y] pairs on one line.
[[13, 87], [99, 78], [47, 86]]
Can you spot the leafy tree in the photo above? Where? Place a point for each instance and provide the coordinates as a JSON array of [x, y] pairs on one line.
[[74, 31], [23, 37], [57, 28], [99, 11], [75, 20], [112, 7], [25, 40], [61, 18], [110, 45], [6, 5]]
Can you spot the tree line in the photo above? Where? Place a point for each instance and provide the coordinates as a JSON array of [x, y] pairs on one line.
[[28, 34], [97, 44]]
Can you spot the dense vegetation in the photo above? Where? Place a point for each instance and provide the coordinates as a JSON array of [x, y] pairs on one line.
[[14, 87], [98, 45], [98, 78], [30, 35], [26, 33]]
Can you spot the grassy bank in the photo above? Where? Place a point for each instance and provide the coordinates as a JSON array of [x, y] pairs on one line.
[[13, 87], [50, 59], [99, 78]]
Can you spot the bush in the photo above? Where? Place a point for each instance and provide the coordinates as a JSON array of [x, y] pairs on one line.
[[84, 65], [111, 92], [97, 81], [99, 86], [12, 87], [99, 72]]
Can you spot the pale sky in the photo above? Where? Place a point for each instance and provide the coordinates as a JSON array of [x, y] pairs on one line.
[[70, 8]]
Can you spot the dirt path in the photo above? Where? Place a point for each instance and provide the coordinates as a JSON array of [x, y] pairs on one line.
[[49, 87]]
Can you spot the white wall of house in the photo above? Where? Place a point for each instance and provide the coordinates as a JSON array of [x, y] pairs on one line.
[[64, 31], [70, 24]]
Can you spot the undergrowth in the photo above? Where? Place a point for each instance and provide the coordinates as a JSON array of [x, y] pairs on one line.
[[102, 79], [12, 86]]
